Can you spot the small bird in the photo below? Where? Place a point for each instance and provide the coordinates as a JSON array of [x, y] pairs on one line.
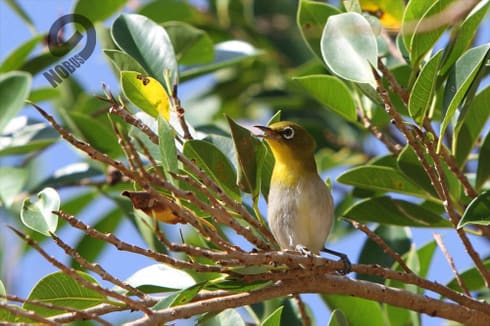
[[300, 207]]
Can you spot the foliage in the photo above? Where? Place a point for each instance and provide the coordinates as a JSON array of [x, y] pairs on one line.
[[344, 73]]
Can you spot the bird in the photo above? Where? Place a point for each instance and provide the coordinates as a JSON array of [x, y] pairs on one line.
[[300, 208]]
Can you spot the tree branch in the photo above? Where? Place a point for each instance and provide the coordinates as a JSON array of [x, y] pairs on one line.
[[325, 284]]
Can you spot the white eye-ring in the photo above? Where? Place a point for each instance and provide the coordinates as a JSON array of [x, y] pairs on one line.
[[287, 133]]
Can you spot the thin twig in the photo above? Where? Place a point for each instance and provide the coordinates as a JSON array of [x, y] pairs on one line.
[[438, 181], [96, 268], [81, 313], [381, 243], [451, 163], [98, 310], [450, 261], [121, 245], [180, 114], [16, 311], [302, 310], [237, 207], [393, 148], [394, 85], [449, 206], [223, 216], [129, 118], [75, 276]]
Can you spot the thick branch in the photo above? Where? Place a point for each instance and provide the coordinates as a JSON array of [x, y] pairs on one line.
[[327, 284]]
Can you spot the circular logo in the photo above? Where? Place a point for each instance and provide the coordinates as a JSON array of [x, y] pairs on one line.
[[59, 47]]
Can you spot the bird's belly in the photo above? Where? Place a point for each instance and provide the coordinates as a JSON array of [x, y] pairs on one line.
[[301, 215]]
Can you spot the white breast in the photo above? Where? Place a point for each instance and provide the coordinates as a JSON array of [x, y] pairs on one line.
[[301, 215]]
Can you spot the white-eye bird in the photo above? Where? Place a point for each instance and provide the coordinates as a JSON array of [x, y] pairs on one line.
[[300, 206]]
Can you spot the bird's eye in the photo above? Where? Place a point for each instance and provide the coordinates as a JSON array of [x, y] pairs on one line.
[[287, 133]]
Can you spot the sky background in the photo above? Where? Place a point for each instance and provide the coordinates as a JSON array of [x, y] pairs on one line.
[[23, 274]]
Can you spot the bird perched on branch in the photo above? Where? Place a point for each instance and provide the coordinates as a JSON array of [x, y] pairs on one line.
[[300, 207]]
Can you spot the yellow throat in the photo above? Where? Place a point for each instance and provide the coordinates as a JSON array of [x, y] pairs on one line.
[[293, 149]]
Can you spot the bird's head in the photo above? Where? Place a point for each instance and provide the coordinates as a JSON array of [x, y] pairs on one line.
[[290, 143]]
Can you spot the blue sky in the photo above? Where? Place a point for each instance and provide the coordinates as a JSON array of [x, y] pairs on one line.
[[24, 274]]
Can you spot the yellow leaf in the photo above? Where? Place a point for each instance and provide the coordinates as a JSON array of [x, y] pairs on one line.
[[146, 93], [389, 12]]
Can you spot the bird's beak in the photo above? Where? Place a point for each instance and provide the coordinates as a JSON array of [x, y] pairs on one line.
[[268, 132]]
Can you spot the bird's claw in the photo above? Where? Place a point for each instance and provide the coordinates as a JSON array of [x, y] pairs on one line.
[[347, 265], [343, 258], [304, 251]]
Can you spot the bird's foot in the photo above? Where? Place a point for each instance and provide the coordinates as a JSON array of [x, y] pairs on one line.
[[304, 251], [343, 257]]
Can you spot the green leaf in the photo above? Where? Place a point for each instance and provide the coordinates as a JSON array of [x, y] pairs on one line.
[[14, 89], [425, 254], [412, 168], [124, 62], [226, 54], [338, 318], [234, 285], [61, 290], [478, 211], [98, 11], [311, 18], [364, 309], [23, 136], [160, 278], [226, 317], [214, 163], [43, 94], [460, 79], [39, 63], [12, 181], [148, 43], [386, 210], [16, 59], [380, 178], [38, 215], [396, 315], [409, 164], [417, 40], [3, 292], [331, 92], [422, 94], [225, 145], [273, 319], [76, 204], [245, 146], [69, 175], [483, 171], [146, 93], [179, 298], [97, 134], [22, 14], [397, 238], [463, 35], [153, 149], [177, 10], [471, 278], [265, 165], [469, 126], [168, 151], [349, 47], [275, 118], [191, 45]]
